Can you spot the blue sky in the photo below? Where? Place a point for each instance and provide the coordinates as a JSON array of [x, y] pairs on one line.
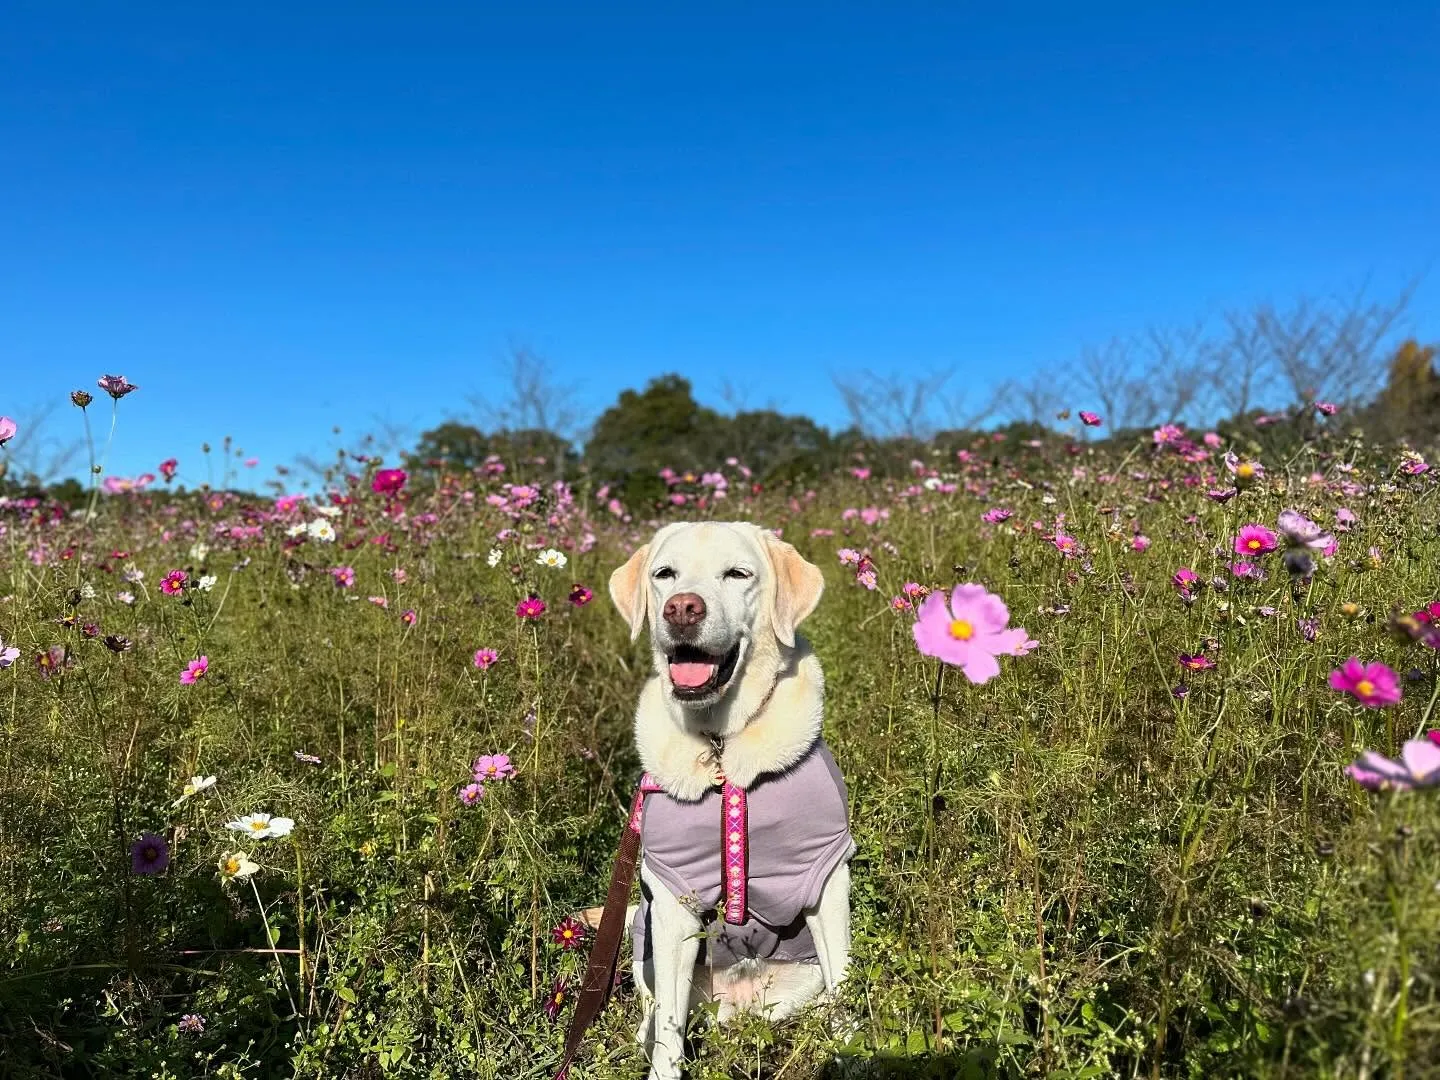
[[286, 217]]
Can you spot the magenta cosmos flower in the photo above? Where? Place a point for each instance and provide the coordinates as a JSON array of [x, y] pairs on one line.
[[1255, 540], [173, 583], [1090, 419], [195, 671], [969, 632], [1196, 662], [532, 607], [486, 658], [580, 595], [1373, 685], [569, 934], [388, 481], [1418, 766], [7, 429]]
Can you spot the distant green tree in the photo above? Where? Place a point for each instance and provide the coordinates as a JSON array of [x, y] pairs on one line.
[[459, 447], [1409, 406], [652, 429]]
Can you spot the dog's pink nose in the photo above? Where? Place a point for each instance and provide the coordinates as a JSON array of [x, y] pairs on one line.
[[684, 610]]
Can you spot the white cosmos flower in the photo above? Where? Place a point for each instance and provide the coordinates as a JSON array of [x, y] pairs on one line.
[[195, 785], [320, 529], [235, 864], [494, 557], [199, 550], [125, 597], [87, 591], [328, 511], [552, 558], [262, 826], [206, 583]]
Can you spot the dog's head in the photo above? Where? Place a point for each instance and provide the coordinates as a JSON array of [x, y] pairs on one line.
[[713, 593]]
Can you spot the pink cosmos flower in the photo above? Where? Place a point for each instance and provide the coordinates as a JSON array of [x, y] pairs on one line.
[[1090, 419], [195, 671], [344, 576], [1299, 531], [532, 607], [1185, 579], [900, 603], [1255, 540], [1196, 662], [866, 577], [848, 557], [996, 515], [7, 429], [379, 601], [1326, 408], [1166, 434], [173, 583], [471, 794], [409, 617], [486, 658], [1248, 571], [168, 468], [969, 632], [1066, 545], [1418, 766], [1345, 519], [1212, 439], [1141, 542], [580, 595], [1243, 471], [493, 767], [388, 481], [1373, 685], [860, 473], [914, 590]]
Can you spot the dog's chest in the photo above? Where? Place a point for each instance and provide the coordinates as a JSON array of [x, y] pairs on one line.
[[796, 831]]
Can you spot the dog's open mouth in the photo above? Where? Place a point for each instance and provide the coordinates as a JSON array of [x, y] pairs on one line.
[[695, 673]]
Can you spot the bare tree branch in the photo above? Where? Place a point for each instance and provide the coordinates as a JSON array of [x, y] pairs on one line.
[[892, 406], [38, 455]]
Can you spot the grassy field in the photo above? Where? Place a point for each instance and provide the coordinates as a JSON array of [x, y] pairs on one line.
[[1102, 862]]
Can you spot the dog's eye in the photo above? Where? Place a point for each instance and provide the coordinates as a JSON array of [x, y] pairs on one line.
[[663, 573], [739, 573]]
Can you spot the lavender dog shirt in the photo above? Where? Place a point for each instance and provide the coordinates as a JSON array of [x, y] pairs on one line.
[[797, 831]]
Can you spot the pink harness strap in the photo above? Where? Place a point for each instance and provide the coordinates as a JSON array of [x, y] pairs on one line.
[[734, 841]]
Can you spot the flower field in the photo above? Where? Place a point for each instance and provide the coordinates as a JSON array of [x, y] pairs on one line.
[[312, 784]]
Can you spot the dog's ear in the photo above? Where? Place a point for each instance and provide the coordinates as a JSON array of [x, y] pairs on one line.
[[627, 589], [798, 585]]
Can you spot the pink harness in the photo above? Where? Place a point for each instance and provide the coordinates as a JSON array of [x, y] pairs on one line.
[[734, 841]]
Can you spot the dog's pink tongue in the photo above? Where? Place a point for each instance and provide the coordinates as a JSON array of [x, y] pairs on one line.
[[691, 675]]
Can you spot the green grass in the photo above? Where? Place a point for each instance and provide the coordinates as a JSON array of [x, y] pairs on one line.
[[1065, 872]]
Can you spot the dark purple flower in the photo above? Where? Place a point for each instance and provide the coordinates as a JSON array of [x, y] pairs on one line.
[[150, 854], [557, 998], [115, 385]]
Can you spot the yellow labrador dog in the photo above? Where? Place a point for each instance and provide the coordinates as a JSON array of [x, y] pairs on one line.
[[745, 838]]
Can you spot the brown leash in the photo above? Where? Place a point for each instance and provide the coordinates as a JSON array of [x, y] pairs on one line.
[[605, 953]]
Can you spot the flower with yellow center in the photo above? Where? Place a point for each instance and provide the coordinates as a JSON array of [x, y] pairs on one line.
[[1364, 688], [1245, 470], [961, 630], [262, 826], [236, 864]]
